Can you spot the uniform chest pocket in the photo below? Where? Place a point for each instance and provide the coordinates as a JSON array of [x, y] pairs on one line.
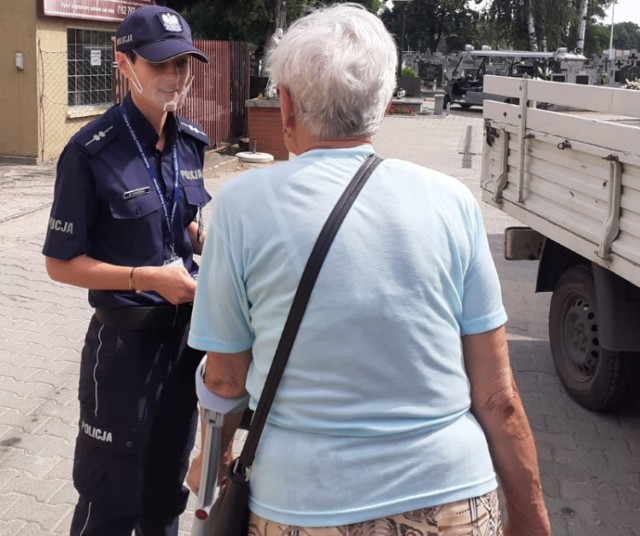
[[195, 194], [134, 207]]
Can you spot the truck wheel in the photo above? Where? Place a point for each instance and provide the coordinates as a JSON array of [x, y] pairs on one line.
[[598, 379]]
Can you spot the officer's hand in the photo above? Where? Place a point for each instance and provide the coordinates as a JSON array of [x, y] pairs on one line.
[[173, 283]]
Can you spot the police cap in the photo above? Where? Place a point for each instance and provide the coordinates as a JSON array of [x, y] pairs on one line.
[[156, 34]]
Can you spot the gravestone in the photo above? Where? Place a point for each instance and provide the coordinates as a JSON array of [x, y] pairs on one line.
[[429, 71], [411, 86], [629, 72]]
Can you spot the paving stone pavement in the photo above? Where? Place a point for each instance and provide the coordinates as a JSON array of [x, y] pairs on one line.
[[590, 462]]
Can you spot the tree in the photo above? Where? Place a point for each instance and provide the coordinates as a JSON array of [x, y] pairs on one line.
[[555, 24], [599, 39], [429, 22], [234, 20], [253, 21], [626, 35], [582, 22]]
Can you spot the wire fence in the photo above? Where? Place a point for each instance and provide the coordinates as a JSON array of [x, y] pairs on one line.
[[81, 83], [75, 86]]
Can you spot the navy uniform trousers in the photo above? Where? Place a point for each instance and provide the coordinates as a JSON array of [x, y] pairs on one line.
[[138, 421]]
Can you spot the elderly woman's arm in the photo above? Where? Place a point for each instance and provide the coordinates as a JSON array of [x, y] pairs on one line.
[[225, 375], [496, 404]]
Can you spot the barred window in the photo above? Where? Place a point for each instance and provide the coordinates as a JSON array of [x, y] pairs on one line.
[[89, 67]]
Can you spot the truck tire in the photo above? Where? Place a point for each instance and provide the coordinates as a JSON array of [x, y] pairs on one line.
[[596, 378]]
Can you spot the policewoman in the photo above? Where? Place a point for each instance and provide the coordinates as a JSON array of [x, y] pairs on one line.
[[125, 224]]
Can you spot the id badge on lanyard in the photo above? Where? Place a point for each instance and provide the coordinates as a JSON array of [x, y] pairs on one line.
[[169, 216], [174, 261]]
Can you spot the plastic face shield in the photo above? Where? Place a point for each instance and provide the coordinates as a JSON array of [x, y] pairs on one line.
[[167, 91]]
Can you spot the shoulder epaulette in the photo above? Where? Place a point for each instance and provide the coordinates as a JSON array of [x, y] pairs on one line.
[[95, 136], [187, 127]]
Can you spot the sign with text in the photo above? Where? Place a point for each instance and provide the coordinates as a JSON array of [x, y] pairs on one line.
[[96, 57], [106, 10]]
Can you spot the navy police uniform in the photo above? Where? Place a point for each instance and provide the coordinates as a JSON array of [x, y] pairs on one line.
[[137, 394]]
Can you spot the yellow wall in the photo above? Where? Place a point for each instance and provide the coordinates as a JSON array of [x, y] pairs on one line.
[[36, 123], [18, 98], [56, 127]]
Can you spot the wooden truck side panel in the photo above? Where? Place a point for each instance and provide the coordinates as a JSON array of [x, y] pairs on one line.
[[573, 178]]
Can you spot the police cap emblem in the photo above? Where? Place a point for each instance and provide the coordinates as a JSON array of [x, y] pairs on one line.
[[171, 22]]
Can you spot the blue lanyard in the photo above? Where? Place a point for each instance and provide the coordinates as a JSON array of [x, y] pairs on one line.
[[168, 218]]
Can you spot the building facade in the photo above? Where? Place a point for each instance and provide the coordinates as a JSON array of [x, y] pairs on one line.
[[56, 71]]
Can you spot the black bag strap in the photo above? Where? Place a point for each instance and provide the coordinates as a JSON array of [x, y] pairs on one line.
[[298, 307]]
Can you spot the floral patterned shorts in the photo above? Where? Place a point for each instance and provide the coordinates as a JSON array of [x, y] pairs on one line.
[[479, 516]]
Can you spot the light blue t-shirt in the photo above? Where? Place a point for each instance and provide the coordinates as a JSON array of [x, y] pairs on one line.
[[372, 415]]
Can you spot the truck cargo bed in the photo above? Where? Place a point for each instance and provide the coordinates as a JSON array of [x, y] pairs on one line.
[[572, 175]]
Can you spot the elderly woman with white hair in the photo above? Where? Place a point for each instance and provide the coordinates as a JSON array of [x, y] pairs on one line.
[[397, 412]]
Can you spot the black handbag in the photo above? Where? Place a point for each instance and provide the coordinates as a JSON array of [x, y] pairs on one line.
[[230, 512]]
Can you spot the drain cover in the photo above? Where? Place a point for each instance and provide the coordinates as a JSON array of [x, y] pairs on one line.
[[257, 157]]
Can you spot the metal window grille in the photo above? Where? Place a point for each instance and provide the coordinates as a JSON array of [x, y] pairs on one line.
[[89, 65]]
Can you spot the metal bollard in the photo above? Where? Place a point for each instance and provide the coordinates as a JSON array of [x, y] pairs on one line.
[[215, 408]]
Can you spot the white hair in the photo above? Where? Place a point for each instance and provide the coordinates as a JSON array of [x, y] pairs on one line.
[[338, 63]]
